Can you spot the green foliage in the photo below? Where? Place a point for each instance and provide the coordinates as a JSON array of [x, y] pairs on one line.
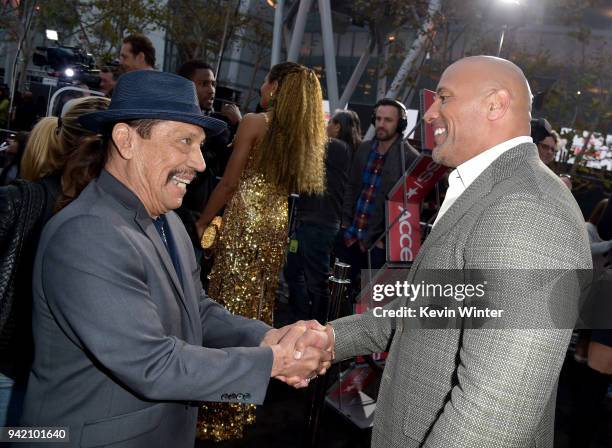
[[196, 28], [390, 14], [104, 23], [98, 25]]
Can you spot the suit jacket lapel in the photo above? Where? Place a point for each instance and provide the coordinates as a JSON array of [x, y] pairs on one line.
[[147, 226], [477, 190], [184, 252], [500, 169], [134, 209]]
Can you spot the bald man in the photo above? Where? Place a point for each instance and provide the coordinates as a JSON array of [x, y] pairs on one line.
[[507, 225]]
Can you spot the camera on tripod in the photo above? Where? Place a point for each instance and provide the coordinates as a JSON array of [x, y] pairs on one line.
[[68, 64]]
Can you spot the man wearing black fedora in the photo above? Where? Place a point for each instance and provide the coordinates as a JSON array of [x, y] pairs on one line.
[[126, 340]]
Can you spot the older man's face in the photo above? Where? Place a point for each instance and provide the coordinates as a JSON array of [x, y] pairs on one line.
[[455, 115], [165, 164]]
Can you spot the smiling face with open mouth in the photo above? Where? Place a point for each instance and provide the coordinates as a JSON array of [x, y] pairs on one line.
[[458, 115], [165, 163], [481, 101], [454, 116]]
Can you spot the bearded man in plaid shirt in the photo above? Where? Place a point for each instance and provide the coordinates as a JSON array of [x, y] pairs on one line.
[[376, 167]]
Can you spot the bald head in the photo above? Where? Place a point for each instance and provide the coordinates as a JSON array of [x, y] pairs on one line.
[[482, 101], [489, 72]]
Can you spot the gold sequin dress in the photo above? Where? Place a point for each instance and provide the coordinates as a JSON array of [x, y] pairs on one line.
[[244, 279]]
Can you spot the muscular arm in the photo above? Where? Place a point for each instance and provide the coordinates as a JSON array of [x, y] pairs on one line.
[[251, 129]]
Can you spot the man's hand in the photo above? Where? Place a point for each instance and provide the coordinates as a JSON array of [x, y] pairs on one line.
[[232, 113], [311, 338], [274, 336], [321, 337], [301, 351]]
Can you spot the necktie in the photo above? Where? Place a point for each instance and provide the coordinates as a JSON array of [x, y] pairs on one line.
[[161, 225]]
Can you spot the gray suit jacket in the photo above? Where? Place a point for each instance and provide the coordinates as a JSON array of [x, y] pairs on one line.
[[121, 344], [488, 387]]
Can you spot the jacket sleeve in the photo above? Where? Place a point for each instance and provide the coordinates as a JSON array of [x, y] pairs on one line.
[[363, 334], [95, 284], [220, 328]]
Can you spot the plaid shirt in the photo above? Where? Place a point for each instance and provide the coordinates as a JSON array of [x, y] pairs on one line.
[[370, 178]]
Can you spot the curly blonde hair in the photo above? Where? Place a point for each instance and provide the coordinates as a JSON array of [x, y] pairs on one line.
[[293, 147]]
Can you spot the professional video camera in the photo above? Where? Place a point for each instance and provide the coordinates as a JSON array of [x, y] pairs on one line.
[[69, 64]]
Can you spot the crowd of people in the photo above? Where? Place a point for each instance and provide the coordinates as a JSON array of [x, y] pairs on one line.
[[143, 236]]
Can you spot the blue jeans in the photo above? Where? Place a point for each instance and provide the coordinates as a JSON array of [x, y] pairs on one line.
[[307, 271], [11, 401]]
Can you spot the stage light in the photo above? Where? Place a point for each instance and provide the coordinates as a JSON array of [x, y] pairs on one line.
[[69, 72], [51, 34]]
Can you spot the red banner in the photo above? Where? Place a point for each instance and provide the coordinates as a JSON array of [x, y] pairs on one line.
[[404, 208], [404, 238]]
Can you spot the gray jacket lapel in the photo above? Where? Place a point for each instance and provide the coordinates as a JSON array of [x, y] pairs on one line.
[[184, 252], [134, 209], [147, 226], [501, 168]]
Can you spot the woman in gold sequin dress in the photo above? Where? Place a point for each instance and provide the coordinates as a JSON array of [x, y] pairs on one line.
[[275, 153]]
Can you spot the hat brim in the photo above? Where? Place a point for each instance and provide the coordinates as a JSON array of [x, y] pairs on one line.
[[100, 121]]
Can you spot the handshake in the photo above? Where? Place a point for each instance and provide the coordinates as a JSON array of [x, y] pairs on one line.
[[301, 351]]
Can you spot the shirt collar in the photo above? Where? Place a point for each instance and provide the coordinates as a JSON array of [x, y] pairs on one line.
[[469, 170]]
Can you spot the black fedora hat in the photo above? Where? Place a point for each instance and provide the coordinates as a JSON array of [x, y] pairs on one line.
[[151, 94]]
